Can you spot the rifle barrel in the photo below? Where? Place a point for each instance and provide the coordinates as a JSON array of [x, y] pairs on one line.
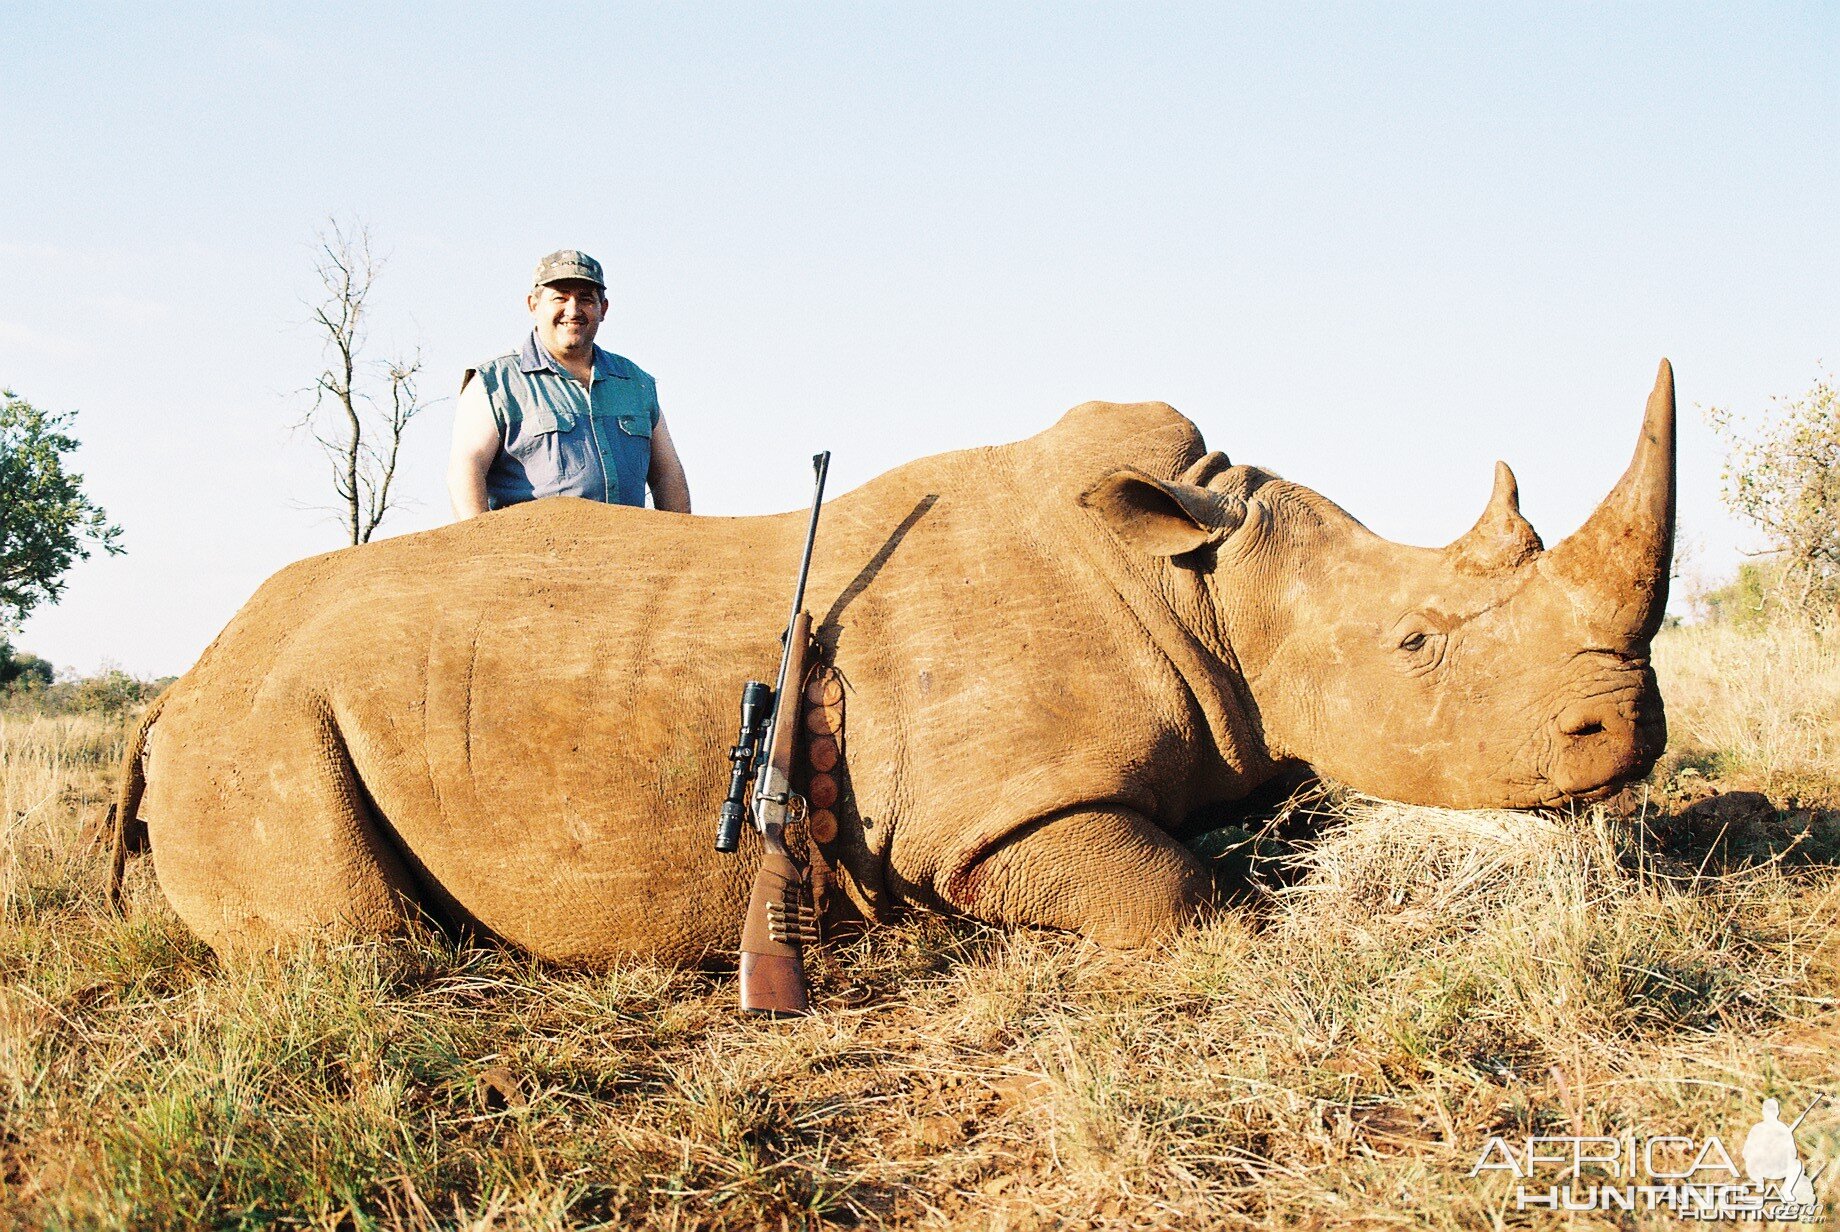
[[820, 465]]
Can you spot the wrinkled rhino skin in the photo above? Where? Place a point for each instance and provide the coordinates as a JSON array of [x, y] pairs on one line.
[[1054, 650]]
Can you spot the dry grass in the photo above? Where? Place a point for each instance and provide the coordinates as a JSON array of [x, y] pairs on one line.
[[1407, 983], [1761, 705]]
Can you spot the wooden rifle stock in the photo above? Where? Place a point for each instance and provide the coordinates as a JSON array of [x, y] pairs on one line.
[[779, 919]]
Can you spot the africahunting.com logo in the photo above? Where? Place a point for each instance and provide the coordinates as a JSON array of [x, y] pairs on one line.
[[1695, 1178]]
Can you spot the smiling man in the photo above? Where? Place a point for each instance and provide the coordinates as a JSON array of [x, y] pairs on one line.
[[560, 416]]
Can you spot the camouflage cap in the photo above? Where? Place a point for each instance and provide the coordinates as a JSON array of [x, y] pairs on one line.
[[566, 264]]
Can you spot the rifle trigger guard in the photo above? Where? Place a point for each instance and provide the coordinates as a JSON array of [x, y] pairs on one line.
[[796, 807]]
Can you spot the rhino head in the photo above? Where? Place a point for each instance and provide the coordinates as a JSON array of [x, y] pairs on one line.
[[1492, 673]]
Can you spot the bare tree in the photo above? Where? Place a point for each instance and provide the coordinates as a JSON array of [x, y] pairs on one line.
[[356, 423]]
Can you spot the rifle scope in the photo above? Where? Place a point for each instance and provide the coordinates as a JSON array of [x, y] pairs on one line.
[[756, 701]]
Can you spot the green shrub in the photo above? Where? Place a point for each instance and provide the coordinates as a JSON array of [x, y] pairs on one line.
[[1750, 600], [22, 671]]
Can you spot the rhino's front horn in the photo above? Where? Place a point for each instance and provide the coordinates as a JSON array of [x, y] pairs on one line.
[[1501, 538], [1621, 556]]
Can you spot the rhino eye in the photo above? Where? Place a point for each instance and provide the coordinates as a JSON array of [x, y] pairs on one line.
[[1413, 642]]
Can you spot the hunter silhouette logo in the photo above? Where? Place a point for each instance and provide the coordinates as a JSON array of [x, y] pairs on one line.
[[1695, 1178], [1770, 1155]]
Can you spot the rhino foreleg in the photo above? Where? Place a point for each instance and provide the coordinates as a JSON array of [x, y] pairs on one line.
[[1108, 873]]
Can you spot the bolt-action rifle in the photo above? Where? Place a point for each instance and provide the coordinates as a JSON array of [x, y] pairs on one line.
[[779, 922]]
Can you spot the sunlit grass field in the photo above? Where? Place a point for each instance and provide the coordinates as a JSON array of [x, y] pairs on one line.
[[1393, 986]]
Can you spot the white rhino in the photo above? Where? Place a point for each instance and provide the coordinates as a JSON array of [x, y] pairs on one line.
[[1053, 651]]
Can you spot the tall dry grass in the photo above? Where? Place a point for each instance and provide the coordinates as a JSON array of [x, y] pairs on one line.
[[52, 774], [1402, 984], [1761, 704]]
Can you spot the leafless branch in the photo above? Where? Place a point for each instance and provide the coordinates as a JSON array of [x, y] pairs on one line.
[[360, 435]]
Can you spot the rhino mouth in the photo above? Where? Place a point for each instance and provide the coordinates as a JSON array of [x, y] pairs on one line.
[[1593, 795]]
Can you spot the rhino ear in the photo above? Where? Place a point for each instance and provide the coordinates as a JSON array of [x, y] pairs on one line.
[[1159, 517]]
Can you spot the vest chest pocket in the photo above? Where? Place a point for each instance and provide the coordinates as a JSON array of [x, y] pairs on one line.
[[628, 403], [551, 450]]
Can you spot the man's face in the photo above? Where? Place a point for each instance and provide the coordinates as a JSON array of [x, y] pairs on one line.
[[568, 314]]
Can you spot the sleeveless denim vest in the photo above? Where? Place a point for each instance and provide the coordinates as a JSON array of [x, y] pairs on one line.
[[561, 439]]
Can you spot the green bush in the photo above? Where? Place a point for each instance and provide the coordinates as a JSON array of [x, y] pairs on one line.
[[108, 692], [22, 671], [1751, 600], [28, 686]]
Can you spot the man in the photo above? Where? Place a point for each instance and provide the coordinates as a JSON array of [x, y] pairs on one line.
[[560, 416]]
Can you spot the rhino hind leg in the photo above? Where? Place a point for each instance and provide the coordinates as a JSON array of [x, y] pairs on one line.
[[1110, 874], [256, 861]]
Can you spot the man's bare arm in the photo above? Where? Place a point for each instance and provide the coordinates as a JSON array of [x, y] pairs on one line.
[[476, 443], [670, 488]]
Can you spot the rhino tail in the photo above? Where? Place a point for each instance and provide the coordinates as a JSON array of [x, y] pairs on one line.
[[130, 831]]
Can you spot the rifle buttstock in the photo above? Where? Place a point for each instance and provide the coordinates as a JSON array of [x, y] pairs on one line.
[[772, 971]]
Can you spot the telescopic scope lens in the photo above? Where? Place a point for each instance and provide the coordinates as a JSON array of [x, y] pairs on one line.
[[755, 699], [728, 827]]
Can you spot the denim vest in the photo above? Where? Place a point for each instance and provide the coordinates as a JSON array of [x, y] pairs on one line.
[[559, 438]]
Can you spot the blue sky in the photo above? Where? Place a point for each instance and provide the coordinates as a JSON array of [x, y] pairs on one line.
[[1371, 247]]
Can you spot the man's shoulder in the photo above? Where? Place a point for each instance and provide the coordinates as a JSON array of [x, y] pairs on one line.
[[492, 372], [497, 361]]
